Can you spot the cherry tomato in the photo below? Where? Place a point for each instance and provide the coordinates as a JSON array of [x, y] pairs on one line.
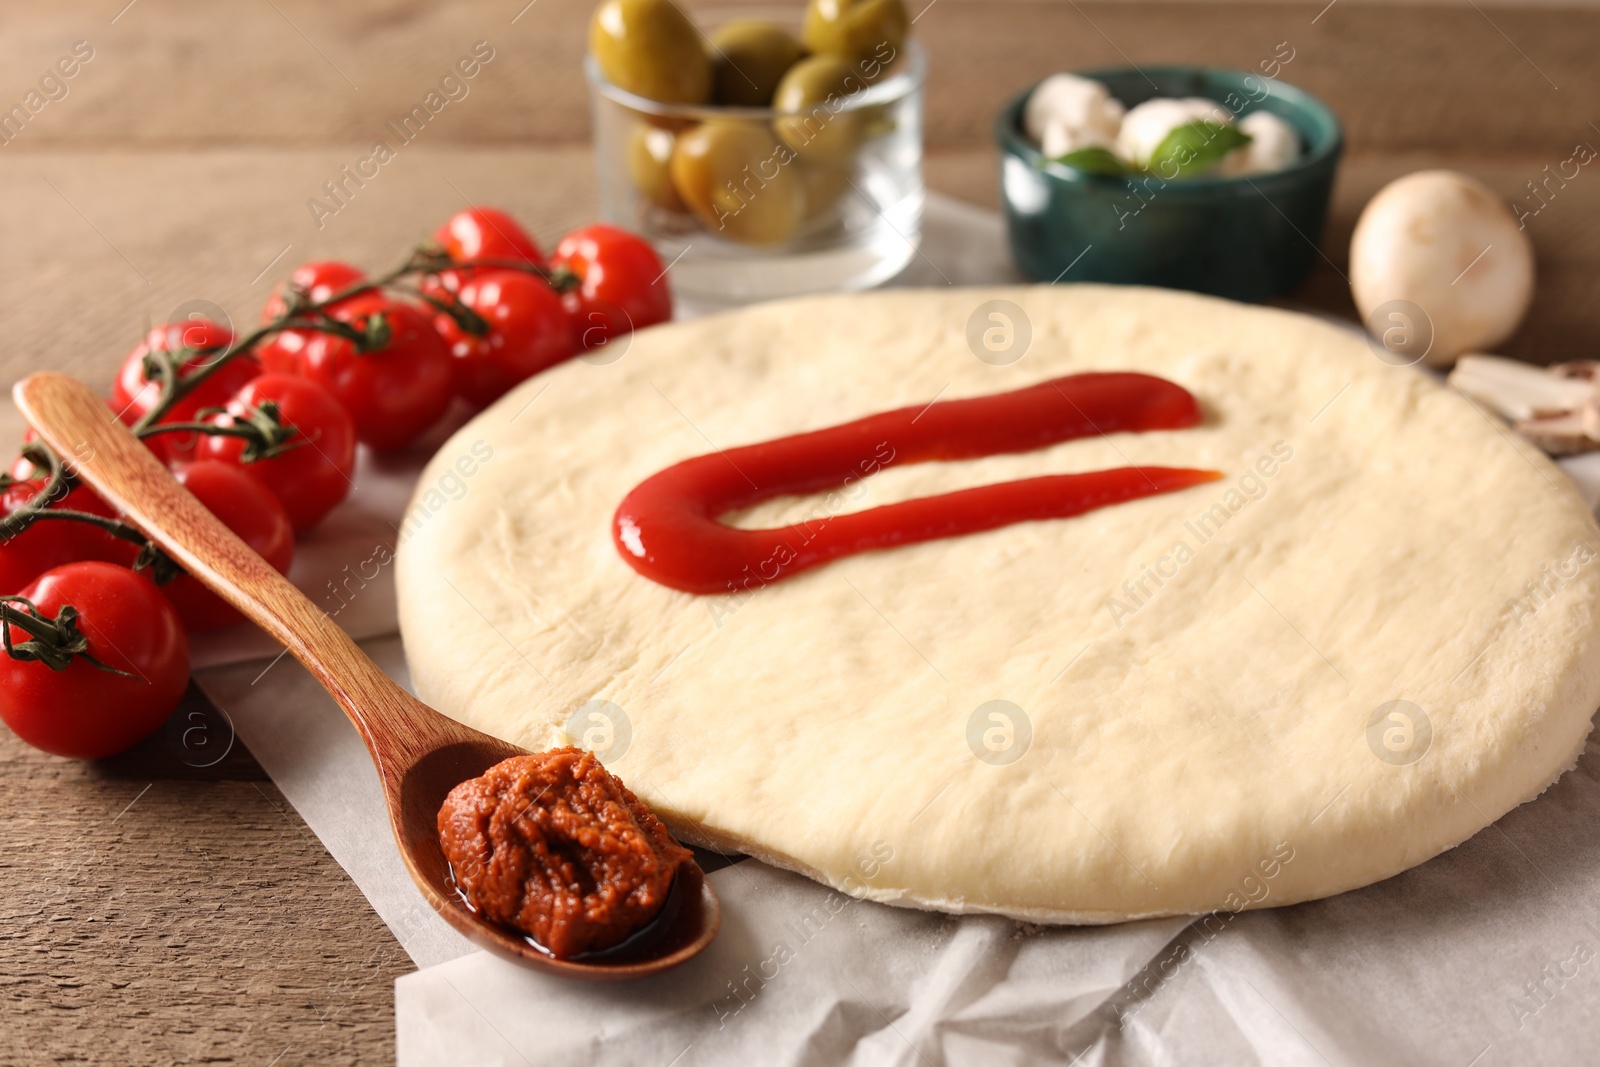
[[528, 331], [393, 393], [486, 233], [83, 711], [308, 479], [249, 509], [624, 284], [320, 281], [133, 394], [49, 543]]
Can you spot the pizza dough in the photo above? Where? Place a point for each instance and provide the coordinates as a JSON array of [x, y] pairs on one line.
[[1374, 637]]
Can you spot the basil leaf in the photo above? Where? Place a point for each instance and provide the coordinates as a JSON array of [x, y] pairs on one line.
[[1094, 160], [1194, 148]]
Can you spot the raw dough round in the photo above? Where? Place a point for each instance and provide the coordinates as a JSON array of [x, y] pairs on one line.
[[1185, 729]]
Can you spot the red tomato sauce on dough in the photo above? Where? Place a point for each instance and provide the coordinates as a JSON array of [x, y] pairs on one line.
[[667, 527]]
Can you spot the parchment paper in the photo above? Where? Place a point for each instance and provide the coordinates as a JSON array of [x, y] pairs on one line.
[[1486, 955]]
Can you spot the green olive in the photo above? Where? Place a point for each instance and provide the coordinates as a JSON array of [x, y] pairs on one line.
[[651, 49], [748, 57], [649, 156], [825, 184], [740, 182], [860, 30], [818, 121]]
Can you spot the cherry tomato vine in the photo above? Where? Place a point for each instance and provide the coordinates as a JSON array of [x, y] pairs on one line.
[[263, 427], [262, 430]]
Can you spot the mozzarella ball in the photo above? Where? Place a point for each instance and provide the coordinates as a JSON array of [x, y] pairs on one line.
[[1059, 139], [1068, 110], [1146, 125], [1274, 144], [1449, 245]]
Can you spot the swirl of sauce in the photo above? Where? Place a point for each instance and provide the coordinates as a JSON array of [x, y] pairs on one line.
[[667, 527]]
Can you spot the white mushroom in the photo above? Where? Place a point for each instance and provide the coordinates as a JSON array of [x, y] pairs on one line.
[[1447, 245], [1274, 144], [1067, 112], [1146, 125]]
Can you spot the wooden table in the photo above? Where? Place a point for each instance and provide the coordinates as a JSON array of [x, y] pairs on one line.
[[158, 912]]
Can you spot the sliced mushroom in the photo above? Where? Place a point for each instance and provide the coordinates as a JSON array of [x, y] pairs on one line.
[[1557, 408]]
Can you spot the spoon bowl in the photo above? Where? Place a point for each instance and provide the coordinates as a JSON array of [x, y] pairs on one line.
[[685, 926], [420, 754]]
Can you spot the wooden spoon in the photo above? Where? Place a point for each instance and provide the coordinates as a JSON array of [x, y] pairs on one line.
[[420, 754]]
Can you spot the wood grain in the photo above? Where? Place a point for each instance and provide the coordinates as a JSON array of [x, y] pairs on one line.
[[174, 74], [177, 168], [158, 912]]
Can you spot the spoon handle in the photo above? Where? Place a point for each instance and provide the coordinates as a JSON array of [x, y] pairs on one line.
[[111, 460]]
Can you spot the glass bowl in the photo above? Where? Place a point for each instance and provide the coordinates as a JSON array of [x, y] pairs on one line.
[[1247, 237], [861, 217]]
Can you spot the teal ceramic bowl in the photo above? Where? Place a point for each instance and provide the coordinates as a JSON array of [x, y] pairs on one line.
[[1247, 237]]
